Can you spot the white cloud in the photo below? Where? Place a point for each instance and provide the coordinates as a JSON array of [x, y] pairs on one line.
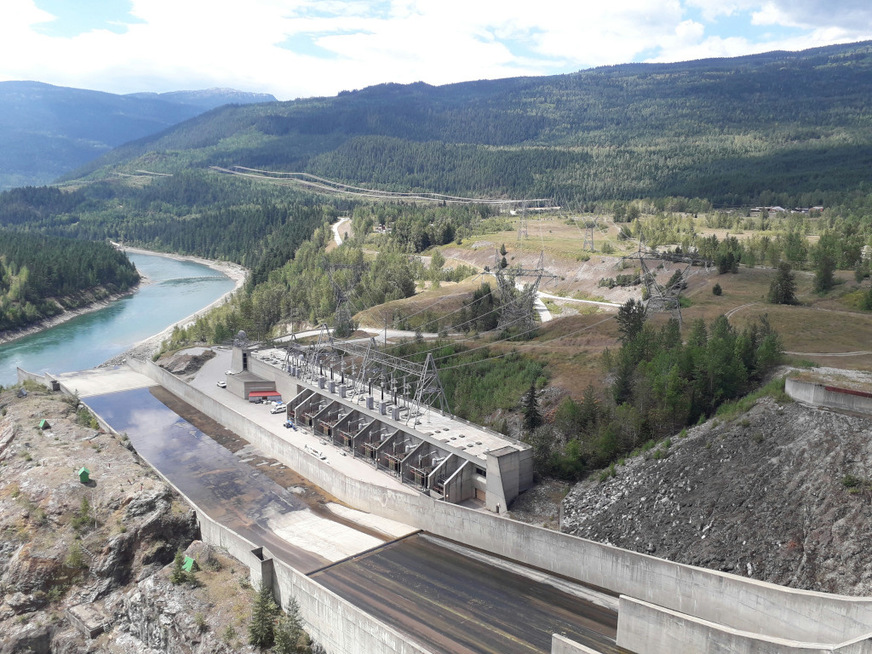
[[296, 48]]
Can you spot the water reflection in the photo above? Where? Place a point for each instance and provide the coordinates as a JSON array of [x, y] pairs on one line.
[[212, 477]]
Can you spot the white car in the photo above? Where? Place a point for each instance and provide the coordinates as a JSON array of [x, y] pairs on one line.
[[228, 372], [279, 408], [222, 384]]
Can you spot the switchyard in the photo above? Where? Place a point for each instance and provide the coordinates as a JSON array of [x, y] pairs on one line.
[[427, 449]]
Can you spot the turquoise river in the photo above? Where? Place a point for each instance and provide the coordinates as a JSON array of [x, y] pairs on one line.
[[175, 289]]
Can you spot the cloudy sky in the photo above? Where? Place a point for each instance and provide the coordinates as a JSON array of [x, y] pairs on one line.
[[301, 48]]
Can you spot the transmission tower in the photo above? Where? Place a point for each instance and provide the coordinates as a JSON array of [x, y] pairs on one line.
[[522, 223], [517, 305], [588, 232], [664, 297], [418, 384]]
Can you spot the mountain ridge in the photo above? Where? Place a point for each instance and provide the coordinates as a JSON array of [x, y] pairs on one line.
[[47, 130], [734, 130]]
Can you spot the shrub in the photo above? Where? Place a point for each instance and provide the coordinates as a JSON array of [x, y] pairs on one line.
[[717, 290], [178, 575]]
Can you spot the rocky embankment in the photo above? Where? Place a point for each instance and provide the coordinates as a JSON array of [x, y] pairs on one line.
[[78, 559], [781, 494]]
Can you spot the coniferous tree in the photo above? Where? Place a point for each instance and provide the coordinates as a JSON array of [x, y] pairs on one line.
[[782, 290], [261, 629], [532, 415], [631, 318], [823, 273], [178, 575], [290, 638]]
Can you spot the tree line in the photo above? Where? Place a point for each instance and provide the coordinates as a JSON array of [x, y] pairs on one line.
[[41, 275], [657, 385]]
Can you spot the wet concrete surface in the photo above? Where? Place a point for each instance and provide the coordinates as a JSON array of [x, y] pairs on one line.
[[449, 602], [211, 476]]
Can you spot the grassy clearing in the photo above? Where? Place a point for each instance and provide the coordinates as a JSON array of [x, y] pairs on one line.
[[774, 389], [555, 236], [428, 305]]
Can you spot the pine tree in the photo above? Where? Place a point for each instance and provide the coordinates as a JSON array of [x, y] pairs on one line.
[[631, 318], [178, 575], [532, 416], [290, 636], [783, 287], [261, 629]]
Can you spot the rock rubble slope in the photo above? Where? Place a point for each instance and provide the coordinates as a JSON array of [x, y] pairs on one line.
[[782, 493]]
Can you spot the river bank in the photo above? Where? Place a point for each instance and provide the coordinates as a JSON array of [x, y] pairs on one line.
[[148, 346], [235, 272], [11, 335]]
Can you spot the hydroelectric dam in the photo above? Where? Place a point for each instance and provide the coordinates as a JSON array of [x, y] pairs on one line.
[[378, 565]]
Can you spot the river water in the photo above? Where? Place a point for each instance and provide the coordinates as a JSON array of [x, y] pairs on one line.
[[176, 289]]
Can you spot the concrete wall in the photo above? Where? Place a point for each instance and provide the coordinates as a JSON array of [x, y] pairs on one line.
[[650, 628], [736, 602], [502, 478], [562, 645], [24, 376], [332, 621], [829, 396]]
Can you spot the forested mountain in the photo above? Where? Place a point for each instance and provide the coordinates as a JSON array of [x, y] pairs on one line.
[[785, 128], [47, 131], [42, 275]]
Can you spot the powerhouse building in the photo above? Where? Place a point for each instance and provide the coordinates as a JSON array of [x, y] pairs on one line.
[[436, 453]]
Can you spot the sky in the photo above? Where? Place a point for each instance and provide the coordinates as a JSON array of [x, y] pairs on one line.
[[305, 48]]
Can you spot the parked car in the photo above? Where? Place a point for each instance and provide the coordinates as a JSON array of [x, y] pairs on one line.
[[228, 372], [222, 384], [289, 424], [279, 408]]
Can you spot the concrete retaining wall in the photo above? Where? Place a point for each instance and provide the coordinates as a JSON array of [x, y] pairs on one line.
[[24, 376], [829, 396], [725, 599], [652, 628], [332, 621]]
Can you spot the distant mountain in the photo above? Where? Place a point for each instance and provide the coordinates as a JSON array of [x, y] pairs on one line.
[[777, 128], [47, 131], [208, 98]]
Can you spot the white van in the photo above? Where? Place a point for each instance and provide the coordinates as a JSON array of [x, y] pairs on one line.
[[278, 408]]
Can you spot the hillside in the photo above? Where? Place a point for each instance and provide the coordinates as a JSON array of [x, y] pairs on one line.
[[42, 276], [779, 494], [46, 131], [779, 128]]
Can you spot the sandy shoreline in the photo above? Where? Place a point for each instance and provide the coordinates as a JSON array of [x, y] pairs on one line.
[[146, 347]]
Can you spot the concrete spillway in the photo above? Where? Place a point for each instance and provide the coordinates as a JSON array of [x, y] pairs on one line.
[[437, 595], [451, 602]]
